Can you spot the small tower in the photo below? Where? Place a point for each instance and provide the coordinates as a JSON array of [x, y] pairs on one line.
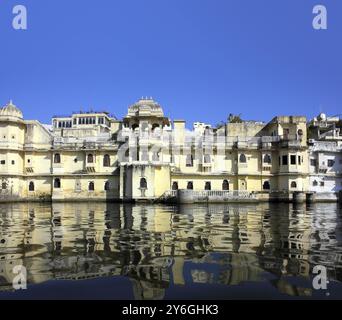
[[12, 138]]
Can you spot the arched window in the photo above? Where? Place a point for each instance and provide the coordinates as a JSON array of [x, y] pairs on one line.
[[189, 160], [90, 158], [107, 186], [190, 186], [207, 186], [31, 186], [91, 186], [135, 126], [154, 126], [175, 186], [225, 185], [267, 158], [315, 183], [293, 184], [207, 158], [143, 183], [243, 158], [126, 155], [155, 156], [266, 185], [106, 160], [207, 131], [57, 183], [57, 158], [4, 186]]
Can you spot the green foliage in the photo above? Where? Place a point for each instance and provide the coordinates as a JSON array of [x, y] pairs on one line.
[[235, 118]]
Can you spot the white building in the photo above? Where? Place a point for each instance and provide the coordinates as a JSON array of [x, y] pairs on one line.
[[325, 152]]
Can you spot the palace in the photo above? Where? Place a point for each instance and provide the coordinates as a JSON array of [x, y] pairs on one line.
[[147, 157]]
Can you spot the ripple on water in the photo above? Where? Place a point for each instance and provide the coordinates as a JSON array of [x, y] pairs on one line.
[[215, 244]]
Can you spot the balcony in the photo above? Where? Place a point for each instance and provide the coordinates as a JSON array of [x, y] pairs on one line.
[[290, 141], [266, 145], [291, 144], [291, 168]]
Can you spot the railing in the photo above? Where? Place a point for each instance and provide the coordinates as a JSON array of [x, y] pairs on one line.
[[291, 143], [170, 194], [235, 194], [212, 195], [326, 146], [85, 141]]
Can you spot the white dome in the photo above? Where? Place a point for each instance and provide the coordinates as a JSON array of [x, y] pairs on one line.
[[145, 107], [322, 116], [10, 110]]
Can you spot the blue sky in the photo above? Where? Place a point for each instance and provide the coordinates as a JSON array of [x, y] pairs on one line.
[[201, 59]]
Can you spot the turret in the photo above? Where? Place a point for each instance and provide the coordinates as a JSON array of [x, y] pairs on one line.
[[12, 137]]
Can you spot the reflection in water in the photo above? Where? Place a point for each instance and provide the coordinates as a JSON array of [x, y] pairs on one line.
[[163, 247]]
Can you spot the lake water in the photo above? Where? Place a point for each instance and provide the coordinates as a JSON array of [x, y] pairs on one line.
[[115, 251]]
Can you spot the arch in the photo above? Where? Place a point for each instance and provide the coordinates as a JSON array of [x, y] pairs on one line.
[[31, 186], [207, 186], [243, 158], [155, 126], [57, 183], [267, 158], [293, 184], [143, 183], [266, 185], [155, 156], [175, 185], [91, 186], [135, 126], [207, 131], [106, 160], [190, 185], [207, 158], [90, 158], [107, 186], [225, 185], [57, 158], [315, 183], [189, 160], [126, 155]]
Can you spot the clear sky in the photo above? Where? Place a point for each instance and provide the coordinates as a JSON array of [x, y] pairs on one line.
[[200, 59]]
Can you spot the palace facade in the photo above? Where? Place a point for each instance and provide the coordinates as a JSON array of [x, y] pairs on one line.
[[147, 157]]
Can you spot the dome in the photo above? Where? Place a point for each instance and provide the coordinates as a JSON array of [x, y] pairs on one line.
[[322, 116], [10, 110], [145, 107]]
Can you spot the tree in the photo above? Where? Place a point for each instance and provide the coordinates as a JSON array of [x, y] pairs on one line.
[[235, 118]]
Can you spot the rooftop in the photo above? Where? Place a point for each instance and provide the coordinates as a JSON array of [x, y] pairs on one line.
[[91, 112]]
